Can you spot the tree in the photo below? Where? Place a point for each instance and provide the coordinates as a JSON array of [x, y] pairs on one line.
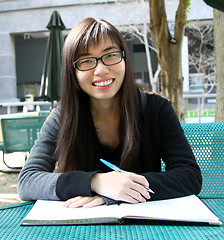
[[201, 53], [219, 53], [169, 50], [219, 46], [143, 34]]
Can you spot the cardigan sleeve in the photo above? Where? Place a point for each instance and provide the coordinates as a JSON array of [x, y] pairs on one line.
[[166, 141], [37, 179]]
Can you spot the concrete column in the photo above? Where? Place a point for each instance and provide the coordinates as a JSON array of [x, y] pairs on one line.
[[7, 68]]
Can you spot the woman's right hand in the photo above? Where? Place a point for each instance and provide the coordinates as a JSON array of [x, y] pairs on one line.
[[121, 186]]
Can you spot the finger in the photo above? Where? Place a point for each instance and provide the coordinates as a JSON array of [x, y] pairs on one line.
[[82, 201], [141, 185], [94, 203], [135, 190], [129, 199], [141, 190], [140, 180], [86, 201], [136, 195], [72, 200]]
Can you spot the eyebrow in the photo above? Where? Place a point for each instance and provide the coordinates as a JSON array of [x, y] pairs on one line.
[[104, 50]]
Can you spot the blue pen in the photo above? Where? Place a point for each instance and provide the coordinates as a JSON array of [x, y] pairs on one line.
[[117, 169], [112, 166]]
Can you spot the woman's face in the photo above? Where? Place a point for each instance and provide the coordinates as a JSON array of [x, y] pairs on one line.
[[102, 82]]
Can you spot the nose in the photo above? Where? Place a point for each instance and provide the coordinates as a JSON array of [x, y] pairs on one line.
[[101, 69]]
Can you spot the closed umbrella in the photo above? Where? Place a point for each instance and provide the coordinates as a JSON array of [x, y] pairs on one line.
[[51, 76]]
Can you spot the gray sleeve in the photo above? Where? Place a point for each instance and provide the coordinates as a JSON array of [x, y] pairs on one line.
[[36, 179]]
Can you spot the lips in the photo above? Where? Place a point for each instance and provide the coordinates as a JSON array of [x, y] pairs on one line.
[[103, 83]]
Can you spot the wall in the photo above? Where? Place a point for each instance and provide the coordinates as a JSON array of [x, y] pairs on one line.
[[31, 16]]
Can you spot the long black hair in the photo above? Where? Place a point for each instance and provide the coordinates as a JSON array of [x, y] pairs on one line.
[[74, 144]]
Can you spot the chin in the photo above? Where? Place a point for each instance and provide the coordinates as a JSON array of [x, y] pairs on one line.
[[105, 96]]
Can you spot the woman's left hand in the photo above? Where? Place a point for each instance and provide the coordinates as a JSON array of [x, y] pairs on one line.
[[86, 202]]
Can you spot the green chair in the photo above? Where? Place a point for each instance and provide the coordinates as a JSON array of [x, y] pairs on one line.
[[19, 134], [207, 143], [1, 146]]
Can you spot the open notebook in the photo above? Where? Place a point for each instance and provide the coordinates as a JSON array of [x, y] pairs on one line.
[[184, 209]]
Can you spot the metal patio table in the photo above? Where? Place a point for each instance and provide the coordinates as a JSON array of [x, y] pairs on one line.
[[11, 218]]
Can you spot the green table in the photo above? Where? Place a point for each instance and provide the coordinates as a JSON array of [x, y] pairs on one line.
[[12, 216]]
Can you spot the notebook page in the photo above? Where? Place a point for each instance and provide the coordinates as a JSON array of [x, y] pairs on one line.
[[54, 210], [189, 208]]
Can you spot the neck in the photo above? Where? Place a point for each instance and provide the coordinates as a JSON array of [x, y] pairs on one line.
[[106, 118], [105, 109]]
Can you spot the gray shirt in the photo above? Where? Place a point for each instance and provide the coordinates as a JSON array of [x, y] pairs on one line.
[[37, 180]]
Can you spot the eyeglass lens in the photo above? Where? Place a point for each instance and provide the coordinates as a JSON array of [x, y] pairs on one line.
[[91, 62]]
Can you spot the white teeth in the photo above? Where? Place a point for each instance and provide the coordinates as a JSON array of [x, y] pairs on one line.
[[103, 84]]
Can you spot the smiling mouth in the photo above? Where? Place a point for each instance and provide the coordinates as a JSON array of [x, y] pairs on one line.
[[103, 83]]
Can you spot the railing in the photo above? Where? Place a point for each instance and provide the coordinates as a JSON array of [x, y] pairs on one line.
[[187, 96], [200, 101], [15, 104]]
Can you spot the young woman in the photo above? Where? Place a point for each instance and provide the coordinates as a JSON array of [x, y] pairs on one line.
[[102, 114]]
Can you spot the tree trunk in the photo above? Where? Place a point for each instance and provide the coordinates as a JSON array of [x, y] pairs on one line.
[[169, 50], [219, 53]]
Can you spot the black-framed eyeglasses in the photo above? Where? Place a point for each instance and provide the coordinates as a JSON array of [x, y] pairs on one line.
[[107, 59]]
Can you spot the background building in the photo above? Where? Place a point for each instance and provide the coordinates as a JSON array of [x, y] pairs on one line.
[[23, 36]]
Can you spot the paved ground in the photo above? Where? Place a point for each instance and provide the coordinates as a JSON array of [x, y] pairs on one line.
[[8, 181]]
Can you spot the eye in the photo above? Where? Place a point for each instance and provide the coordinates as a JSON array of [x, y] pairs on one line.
[[86, 61], [111, 55]]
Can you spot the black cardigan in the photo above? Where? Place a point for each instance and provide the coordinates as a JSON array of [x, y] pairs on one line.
[[162, 138]]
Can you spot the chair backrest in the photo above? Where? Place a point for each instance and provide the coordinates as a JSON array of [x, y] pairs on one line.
[[19, 133], [207, 143]]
